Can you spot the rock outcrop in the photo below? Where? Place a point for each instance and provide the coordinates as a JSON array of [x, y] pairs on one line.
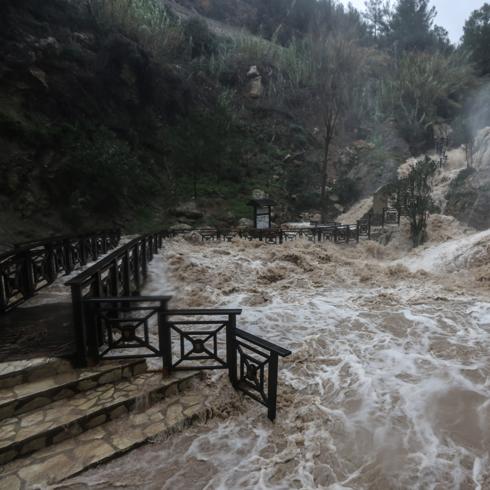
[[469, 194]]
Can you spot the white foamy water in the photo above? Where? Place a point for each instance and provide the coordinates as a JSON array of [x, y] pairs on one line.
[[356, 212], [450, 256], [387, 388]]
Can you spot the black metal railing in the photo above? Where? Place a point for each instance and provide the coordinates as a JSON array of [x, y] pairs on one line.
[[121, 328], [192, 339], [119, 275], [31, 266], [258, 362], [333, 232], [207, 342], [388, 217]]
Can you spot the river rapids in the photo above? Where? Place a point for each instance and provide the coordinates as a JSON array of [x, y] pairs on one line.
[[388, 386]]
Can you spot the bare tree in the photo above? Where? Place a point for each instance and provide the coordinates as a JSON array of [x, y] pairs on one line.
[[338, 62]]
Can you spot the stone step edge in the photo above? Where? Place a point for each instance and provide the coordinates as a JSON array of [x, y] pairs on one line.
[[19, 477], [33, 370], [53, 435], [107, 373]]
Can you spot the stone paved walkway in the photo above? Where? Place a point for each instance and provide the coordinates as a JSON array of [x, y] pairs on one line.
[[68, 458], [32, 431]]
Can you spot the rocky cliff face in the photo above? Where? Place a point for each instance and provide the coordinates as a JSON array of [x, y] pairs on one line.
[[469, 194]]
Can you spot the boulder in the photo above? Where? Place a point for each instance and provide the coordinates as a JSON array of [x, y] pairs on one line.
[[255, 88], [188, 210], [258, 194], [253, 72]]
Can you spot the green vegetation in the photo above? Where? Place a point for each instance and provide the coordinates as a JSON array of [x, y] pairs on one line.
[[101, 175], [163, 109], [425, 88], [147, 21], [415, 194], [476, 38]]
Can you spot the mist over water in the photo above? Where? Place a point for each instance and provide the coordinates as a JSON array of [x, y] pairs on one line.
[[387, 386]]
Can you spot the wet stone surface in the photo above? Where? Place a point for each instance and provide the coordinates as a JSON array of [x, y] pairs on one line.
[[28, 396], [56, 463], [31, 431]]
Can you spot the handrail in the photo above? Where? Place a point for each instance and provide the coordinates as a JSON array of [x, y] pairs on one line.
[[28, 245], [265, 344], [339, 233], [115, 279], [34, 265], [203, 312], [101, 264], [128, 299]]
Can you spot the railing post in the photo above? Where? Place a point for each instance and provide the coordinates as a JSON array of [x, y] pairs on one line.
[[165, 338], [67, 256], [27, 275], [51, 265], [231, 357], [150, 249], [113, 279], [83, 251], [369, 226], [104, 242], [358, 231], [79, 326], [272, 386], [144, 258], [136, 265], [93, 246], [4, 300], [126, 274]]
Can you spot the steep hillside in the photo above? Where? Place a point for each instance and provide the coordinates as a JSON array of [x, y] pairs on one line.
[[99, 129], [149, 114]]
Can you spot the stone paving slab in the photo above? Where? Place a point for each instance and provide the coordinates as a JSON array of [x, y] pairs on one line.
[[29, 396], [13, 373], [57, 463], [26, 433]]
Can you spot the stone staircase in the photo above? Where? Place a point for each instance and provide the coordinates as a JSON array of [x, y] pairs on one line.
[[56, 421]]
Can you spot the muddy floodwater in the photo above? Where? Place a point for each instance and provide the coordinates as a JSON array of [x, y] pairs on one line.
[[388, 386]]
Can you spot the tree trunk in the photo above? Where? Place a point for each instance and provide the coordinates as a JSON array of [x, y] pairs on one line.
[[324, 178]]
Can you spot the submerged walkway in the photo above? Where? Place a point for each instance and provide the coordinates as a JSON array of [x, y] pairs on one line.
[[43, 325], [37, 331]]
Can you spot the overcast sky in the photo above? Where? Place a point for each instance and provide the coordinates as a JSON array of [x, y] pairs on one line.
[[452, 14]]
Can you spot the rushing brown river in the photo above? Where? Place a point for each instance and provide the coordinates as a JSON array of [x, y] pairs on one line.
[[388, 386]]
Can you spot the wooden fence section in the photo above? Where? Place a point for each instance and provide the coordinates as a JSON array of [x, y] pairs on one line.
[[31, 266]]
